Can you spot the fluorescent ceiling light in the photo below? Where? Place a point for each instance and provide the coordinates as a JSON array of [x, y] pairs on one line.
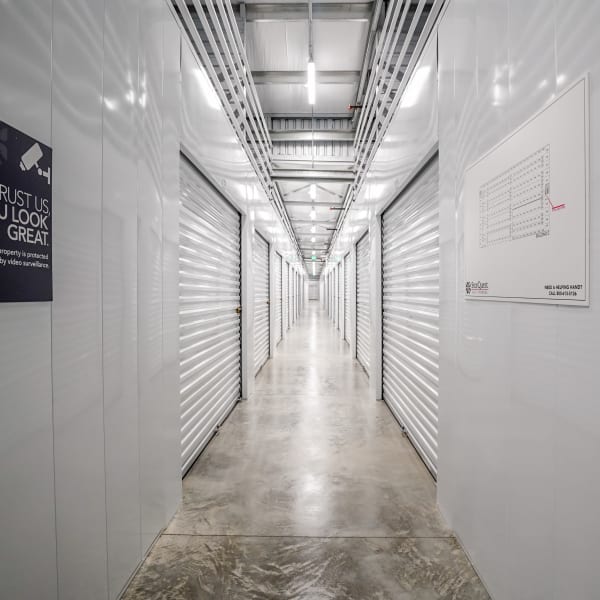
[[208, 90], [314, 267], [414, 88], [313, 214], [312, 191], [311, 82], [313, 229], [313, 239]]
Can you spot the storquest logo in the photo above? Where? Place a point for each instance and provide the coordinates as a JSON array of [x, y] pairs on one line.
[[476, 288]]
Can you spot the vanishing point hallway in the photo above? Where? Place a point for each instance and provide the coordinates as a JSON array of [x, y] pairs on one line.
[[309, 491]]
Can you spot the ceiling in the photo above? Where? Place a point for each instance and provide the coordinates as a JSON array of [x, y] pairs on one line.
[[312, 144], [314, 157]]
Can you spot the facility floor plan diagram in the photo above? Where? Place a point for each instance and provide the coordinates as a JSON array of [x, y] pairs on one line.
[[515, 204]]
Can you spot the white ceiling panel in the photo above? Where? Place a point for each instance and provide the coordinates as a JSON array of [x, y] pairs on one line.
[[292, 98], [339, 45], [277, 46]]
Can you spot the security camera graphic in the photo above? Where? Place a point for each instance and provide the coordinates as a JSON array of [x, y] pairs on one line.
[[31, 158]]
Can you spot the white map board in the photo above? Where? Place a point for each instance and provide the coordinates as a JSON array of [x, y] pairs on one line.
[[526, 207]]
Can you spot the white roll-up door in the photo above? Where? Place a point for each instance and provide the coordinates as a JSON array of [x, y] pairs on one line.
[[289, 294], [331, 292], [286, 301], [347, 297], [285, 313], [335, 295], [363, 320], [410, 239], [278, 299], [261, 302], [209, 301], [338, 304], [294, 295]]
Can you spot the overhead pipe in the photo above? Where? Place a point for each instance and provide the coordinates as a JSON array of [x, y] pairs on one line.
[[366, 152]]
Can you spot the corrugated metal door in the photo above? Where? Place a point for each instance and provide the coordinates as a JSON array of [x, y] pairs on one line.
[[209, 300], [291, 295], [286, 311], [331, 292], [338, 304], [363, 321], [294, 297], [278, 299], [261, 302], [347, 297], [410, 238]]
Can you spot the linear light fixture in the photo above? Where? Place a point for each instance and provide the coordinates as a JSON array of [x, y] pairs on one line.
[[313, 213], [311, 82], [312, 191]]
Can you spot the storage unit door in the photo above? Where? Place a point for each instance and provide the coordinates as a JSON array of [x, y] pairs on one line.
[[284, 283], [347, 298], [338, 304], [363, 320], [209, 298], [411, 311], [261, 302], [290, 300], [294, 295], [329, 300], [278, 299]]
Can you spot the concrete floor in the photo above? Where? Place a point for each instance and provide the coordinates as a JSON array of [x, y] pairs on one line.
[[310, 491]]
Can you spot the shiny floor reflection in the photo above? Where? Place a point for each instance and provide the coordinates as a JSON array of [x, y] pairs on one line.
[[310, 490]]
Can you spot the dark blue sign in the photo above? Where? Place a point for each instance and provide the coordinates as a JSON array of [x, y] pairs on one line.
[[25, 217]]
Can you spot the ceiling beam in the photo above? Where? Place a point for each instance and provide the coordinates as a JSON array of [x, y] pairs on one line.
[[321, 223], [304, 235], [308, 203], [336, 11], [308, 115], [321, 176], [299, 77], [318, 135]]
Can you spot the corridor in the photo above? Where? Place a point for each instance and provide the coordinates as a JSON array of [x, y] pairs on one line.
[[309, 491]]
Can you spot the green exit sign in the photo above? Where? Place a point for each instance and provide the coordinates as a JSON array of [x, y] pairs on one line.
[[313, 257]]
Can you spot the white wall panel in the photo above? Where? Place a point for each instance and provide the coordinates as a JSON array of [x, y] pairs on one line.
[[26, 444], [150, 285], [119, 293], [171, 132], [77, 55], [519, 434]]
